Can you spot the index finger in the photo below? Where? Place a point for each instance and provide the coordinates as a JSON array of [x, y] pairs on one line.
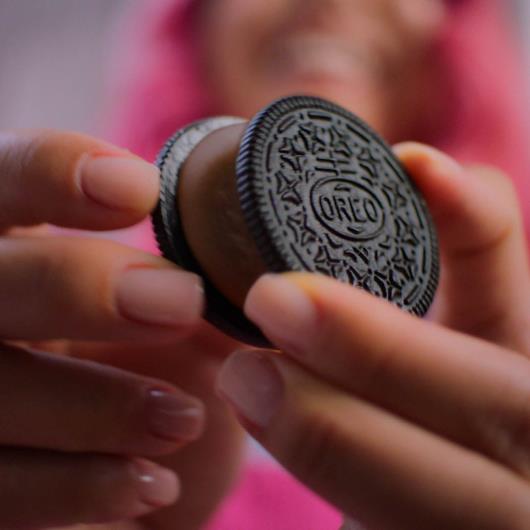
[[460, 387], [72, 180]]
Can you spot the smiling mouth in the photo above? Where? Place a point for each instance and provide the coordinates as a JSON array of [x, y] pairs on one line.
[[322, 56]]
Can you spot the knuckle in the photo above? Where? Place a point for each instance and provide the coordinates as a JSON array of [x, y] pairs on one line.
[[83, 262], [53, 264], [105, 489], [118, 494], [122, 418], [381, 366], [15, 151], [42, 157], [15, 159], [59, 272], [311, 448], [33, 157], [114, 420], [491, 211], [515, 444], [39, 270], [507, 434]]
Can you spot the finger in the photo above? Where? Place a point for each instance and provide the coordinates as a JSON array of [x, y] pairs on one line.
[[54, 287], [40, 489], [462, 388], [485, 273], [384, 471], [31, 231], [74, 405], [72, 180]]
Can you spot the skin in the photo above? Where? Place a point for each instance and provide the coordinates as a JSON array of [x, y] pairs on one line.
[[373, 57], [450, 393], [217, 231], [60, 304], [59, 297]]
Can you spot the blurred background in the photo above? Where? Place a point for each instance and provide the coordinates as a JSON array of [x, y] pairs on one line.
[[54, 60]]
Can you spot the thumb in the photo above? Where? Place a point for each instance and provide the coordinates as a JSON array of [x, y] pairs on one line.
[[485, 284]]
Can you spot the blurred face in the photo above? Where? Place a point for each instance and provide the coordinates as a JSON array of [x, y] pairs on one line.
[[371, 56]]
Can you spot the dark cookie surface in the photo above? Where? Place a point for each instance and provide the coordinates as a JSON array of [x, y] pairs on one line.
[[321, 192], [170, 235], [166, 220]]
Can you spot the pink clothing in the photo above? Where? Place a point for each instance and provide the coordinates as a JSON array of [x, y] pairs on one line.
[[160, 90], [267, 498]]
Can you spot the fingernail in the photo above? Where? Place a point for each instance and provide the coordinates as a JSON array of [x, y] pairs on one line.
[[156, 485], [119, 183], [252, 385], [283, 311], [174, 417], [167, 297]]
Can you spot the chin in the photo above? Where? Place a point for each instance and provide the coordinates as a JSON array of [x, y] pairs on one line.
[[352, 97], [355, 95]]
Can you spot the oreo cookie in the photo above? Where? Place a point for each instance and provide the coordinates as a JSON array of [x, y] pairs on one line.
[[322, 192], [319, 191], [166, 220], [170, 236]]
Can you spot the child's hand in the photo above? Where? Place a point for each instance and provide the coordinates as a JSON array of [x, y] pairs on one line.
[[71, 431], [404, 423]]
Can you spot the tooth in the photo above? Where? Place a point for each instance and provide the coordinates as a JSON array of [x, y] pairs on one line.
[[317, 53]]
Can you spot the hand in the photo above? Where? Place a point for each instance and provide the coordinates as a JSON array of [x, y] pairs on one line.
[[75, 435], [208, 467], [405, 423]]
